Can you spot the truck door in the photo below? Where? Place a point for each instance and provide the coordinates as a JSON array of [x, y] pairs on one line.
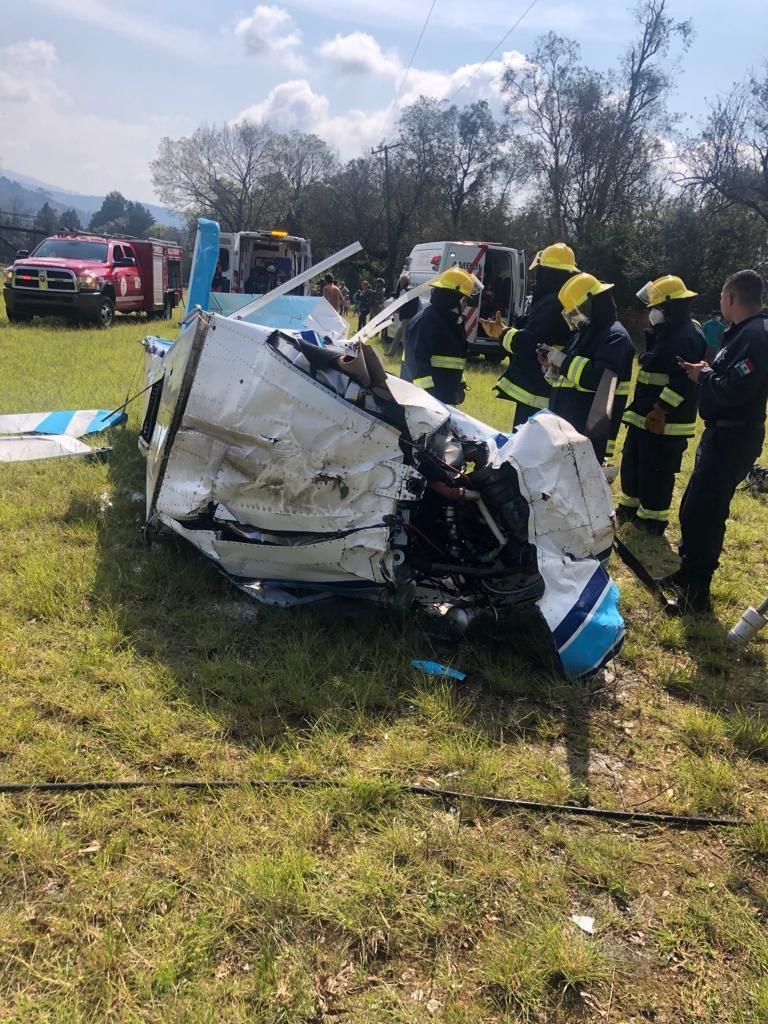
[[519, 281], [227, 261], [134, 283], [472, 259]]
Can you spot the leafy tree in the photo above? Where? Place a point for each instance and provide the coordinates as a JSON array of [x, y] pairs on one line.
[[111, 212], [729, 162], [138, 219], [218, 172], [70, 219], [46, 219], [168, 232], [594, 139]]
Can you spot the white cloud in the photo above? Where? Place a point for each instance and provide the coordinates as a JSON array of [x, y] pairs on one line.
[[26, 71], [360, 54], [271, 32], [295, 106], [45, 132]]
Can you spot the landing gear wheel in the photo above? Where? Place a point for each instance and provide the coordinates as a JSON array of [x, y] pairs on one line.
[[105, 314]]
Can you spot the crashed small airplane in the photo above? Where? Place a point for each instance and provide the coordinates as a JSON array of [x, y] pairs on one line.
[[302, 469]]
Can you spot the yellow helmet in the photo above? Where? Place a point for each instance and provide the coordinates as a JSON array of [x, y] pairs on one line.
[[578, 289], [559, 256], [655, 293], [454, 278]]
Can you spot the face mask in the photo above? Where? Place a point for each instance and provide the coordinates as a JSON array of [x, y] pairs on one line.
[[656, 317]]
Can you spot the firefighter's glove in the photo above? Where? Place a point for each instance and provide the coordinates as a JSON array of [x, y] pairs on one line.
[[549, 356], [656, 420], [461, 392]]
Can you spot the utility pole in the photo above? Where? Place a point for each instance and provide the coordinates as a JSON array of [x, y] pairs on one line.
[[388, 214]]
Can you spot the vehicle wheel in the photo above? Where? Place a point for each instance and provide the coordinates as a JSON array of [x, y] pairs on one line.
[[105, 314], [493, 360], [19, 318]]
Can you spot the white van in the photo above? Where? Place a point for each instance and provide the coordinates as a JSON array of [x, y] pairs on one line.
[[502, 270]]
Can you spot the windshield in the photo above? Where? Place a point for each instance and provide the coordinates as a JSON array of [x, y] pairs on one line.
[[72, 249]]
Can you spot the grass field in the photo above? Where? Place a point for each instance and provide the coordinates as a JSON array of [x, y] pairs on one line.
[[351, 902]]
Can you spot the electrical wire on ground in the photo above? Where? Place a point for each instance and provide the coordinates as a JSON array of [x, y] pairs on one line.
[[498, 802], [501, 42]]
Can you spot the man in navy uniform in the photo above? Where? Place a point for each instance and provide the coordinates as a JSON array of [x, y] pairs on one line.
[[732, 396]]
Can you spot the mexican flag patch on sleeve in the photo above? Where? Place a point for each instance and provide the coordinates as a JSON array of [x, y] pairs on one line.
[[744, 368]]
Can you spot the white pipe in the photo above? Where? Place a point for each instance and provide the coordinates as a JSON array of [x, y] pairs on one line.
[[377, 323], [294, 282]]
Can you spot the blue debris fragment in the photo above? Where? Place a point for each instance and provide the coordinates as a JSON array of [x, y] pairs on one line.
[[434, 668]]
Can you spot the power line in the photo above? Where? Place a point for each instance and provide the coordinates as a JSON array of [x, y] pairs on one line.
[[503, 39], [410, 65]]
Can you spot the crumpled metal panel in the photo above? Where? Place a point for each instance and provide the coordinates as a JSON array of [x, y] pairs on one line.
[[281, 451], [571, 503], [362, 555]]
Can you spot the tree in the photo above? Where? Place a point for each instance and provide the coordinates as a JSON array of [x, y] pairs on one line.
[[138, 219], [221, 172], [46, 219], [729, 162], [111, 212], [594, 139], [302, 162], [70, 219], [167, 232]]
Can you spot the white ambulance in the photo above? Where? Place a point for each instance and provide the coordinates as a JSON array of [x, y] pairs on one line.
[[254, 262], [503, 272]]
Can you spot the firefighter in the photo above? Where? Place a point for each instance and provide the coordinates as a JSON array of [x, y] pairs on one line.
[[435, 348], [523, 381], [662, 414], [732, 396], [599, 343]]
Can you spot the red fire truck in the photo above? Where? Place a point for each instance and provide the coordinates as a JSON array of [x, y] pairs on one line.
[[88, 278]]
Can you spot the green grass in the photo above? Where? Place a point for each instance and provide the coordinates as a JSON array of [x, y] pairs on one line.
[[351, 902]]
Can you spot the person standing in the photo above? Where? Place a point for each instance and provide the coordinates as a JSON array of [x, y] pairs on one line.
[[714, 328], [331, 293], [362, 301], [523, 381], [403, 316], [732, 396], [599, 343], [435, 351], [662, 414]]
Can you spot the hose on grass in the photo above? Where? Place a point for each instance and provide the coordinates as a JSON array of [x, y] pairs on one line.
[[498, 802]]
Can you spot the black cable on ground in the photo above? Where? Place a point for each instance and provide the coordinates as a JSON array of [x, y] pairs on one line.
[[499, 802]]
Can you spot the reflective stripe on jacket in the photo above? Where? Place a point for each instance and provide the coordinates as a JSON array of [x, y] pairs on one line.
[[661, 381]]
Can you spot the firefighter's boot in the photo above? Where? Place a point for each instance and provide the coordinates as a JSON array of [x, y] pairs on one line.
[[692, 599]]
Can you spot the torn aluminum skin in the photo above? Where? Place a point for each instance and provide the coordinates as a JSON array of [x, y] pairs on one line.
[[302, 469]]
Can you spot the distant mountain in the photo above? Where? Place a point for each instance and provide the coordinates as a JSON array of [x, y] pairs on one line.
[[21, 193]]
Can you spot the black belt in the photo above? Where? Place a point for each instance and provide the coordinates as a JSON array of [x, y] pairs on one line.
[[733, 424]]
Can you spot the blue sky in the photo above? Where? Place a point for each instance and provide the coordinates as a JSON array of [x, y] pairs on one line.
[[88, 87]]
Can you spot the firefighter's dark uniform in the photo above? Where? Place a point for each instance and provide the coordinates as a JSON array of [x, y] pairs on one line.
[[602, 345], [523, 380], [650, 461], [732, 396], [435, 351]]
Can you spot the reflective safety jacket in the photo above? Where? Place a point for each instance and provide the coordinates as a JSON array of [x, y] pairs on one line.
[[523, 380], [660, 381], [593, 350], [734, 390], [435, 352]]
